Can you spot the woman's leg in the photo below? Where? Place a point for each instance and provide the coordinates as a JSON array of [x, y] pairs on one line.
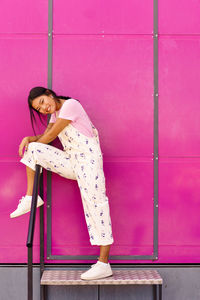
[[91, 181], [49, 158], [104, 250], [104, 253], [24, 205], [30, 180]]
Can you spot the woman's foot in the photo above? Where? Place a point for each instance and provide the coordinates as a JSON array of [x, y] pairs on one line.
[[24, 206], [97, 271]]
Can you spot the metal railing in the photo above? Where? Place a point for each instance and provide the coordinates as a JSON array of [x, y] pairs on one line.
[[31, 228]]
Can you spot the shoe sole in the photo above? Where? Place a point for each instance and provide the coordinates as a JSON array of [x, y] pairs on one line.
[[93, 278], [25, 212]]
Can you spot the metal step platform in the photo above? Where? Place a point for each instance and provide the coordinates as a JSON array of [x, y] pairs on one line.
[[119, 277], [72, 277]]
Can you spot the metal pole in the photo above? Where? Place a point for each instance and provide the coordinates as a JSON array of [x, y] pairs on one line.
[[33, 207], [42, 294], [31, 233], [155, 292], [30, 274], [160, 291]]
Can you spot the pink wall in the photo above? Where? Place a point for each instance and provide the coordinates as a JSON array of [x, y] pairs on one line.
[[103, 55]]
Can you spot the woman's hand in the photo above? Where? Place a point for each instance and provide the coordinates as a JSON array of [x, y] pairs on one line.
[[30, 139], [24, 144], [53, 130]]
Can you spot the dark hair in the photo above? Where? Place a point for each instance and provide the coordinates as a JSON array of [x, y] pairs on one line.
[[36, 92]]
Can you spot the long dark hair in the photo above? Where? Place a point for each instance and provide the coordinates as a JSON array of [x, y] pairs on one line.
[[36, 92]]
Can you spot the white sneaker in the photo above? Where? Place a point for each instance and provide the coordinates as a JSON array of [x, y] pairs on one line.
[[97, 271], [24, 206]]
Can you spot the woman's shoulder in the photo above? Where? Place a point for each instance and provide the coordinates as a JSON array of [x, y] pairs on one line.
[[71, 108], [71, 103]]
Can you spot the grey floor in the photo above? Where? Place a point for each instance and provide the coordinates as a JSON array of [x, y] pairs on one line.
[[180, 283]]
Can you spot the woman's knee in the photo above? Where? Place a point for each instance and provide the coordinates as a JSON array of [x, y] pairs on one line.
[[35, 151], [34, 145], [36, 148]]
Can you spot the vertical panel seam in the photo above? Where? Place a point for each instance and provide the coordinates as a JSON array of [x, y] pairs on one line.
[[155, 68], [49, 84]]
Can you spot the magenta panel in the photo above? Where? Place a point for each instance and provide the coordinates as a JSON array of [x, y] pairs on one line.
[[178, 17], [107, 75], [102, 57], [22, 67], [179, 226], [14, 231], [179, 105], [24, 16], [129, 186], [99, 17]]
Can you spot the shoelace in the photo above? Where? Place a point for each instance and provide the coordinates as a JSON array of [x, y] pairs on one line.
[[93, 265], [20, 201]]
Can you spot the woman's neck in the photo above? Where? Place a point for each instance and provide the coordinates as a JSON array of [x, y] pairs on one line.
[[59, 104]]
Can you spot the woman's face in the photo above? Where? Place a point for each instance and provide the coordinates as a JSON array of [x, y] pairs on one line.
[[45, 104]]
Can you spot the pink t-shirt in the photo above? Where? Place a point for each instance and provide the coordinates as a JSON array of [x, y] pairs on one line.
[[73, 110]]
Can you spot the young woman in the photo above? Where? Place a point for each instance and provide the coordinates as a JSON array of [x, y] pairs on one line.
[[80, 159]]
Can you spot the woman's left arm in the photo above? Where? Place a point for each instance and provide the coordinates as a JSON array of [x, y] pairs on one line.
[[57, 127]]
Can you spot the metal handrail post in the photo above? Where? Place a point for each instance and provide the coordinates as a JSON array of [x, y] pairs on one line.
[[31, 232], [42, 287]]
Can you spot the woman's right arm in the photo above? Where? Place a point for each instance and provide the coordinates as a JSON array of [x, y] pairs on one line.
[[29, 139], [35, 138]]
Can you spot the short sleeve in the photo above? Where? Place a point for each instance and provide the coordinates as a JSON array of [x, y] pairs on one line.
[[70, 110], [52, 118]]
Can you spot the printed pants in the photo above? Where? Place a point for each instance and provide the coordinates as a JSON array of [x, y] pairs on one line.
[[88, 171]]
